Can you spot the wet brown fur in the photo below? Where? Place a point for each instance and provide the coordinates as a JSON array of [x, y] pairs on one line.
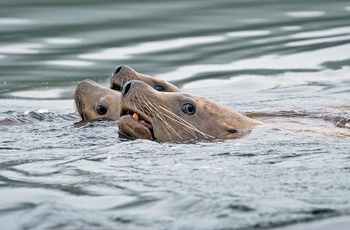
[[170, 123], [88, 95], [125, 74]]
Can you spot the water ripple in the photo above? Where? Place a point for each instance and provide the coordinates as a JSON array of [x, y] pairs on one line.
[[318, 41], [305, 14], [253, 33], [63, 41], [15, 21], [128, 52], [73, 63], [323, 33], [24, 48]]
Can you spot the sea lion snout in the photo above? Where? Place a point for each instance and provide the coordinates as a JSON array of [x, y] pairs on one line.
[[123, 74], [81, 93], [127, 87], [120, 76], [117, 70], [83, 84]]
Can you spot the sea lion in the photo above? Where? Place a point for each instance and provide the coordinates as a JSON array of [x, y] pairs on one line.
[[148, 114], [96, 102], [123, 74]]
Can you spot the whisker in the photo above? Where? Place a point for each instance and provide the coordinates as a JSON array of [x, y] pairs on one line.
[[164, 120], [184, 123], [189, 128], [178, 119], [152, 108], [160, 117]]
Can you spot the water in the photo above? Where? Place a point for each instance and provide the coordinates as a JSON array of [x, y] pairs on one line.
[[286, 63]]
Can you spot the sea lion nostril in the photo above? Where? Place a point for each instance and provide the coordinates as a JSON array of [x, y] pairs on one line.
[[117, 70], [115, 87], [126, 88]]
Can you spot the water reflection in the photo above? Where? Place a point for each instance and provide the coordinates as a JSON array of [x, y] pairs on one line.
[[72, 63], [24, 48], [149, 47], [50, 93], [252, 33], [15, 21], [291, 28], [63, 41], [323, 33], [305, 14], [318, 41], [311, 60]]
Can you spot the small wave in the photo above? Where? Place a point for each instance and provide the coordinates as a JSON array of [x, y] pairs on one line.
[[25, 48], [17, 118], [119, 53], [8, 148], [16, 21], [305, 14], [339, 121], [51, 116]]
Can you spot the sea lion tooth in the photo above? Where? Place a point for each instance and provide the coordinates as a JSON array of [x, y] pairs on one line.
[[136, 116]]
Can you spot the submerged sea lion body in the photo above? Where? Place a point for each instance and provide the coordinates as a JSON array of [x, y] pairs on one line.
[[148, 114], [95, 102]]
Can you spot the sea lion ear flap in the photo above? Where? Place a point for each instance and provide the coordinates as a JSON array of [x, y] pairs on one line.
[[232, 130]]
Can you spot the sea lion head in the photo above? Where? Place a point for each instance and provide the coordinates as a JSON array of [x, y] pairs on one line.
[[149, 114], [96, 102], [123, 74]]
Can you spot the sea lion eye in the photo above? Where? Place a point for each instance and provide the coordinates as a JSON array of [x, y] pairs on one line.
[[188, 108], [159, 88], [102, 109]]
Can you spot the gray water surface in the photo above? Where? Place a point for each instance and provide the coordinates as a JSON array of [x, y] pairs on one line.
[[286, 63]]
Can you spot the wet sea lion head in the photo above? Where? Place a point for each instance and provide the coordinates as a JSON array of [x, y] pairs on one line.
[[123, 74], [96, 102], [149, 114]]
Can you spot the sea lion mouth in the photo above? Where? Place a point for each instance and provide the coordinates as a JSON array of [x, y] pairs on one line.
[[138, 118], [140, 121]]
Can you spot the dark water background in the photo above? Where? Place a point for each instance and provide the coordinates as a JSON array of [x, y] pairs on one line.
[[289, 59]]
